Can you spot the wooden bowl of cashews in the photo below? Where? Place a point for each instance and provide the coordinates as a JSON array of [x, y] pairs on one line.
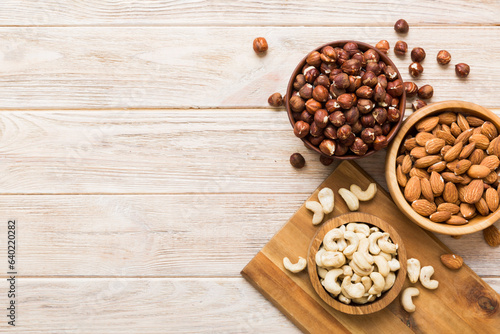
[[357, 263]]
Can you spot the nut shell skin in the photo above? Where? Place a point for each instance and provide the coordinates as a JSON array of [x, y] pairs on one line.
[[401, 26], [443, 57], [301, 129], [418, 55], [462, 70], [297, 160], [260, 45]]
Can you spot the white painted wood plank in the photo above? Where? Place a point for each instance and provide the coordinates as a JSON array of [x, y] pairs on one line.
[[193, 67], [153, 305], [165, 235], [219, 12]]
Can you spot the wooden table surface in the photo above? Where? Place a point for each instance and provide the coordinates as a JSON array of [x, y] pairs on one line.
[[144, 167]]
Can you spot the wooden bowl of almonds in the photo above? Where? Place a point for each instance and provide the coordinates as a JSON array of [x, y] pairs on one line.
[[442, 168]]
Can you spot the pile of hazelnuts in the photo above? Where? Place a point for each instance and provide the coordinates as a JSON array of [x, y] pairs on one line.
[[346, 100]]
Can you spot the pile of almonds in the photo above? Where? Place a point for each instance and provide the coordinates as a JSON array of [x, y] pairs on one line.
[[448, 171]]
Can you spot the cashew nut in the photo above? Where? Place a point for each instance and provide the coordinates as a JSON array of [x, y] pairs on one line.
[[382, 265], [330, 281], [386, 256], [363, 248], [359, 228], [326, 198], [317, 209], [344, 299], [353, 240], [319, 254], [425, 278], [359, 271], [347, 270], [413, 269], [361, 261], [362, 300], [333, 259], [406, 299], [322, 272], [386, 245], [356, 278], [341, 243], [389, 281], [367, 282], [350, 199], [295, 267], [373, 238], [374, 229], [329, 241], [378, 283], [394, 264], [366, 195], [350, 290]]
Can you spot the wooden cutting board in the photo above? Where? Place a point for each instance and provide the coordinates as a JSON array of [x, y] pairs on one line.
[[463, 303]]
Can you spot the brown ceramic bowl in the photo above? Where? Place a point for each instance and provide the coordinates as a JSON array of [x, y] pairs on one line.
[[388, 296], [477, 223], [363, 47]]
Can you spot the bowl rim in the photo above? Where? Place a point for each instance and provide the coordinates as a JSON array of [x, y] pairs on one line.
[[388, 296], [385, 58], [390, 168]]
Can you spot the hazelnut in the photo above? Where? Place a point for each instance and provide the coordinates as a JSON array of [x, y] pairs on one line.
[[345, 101], [357, 127], [425, 92], [368, 135], [380, 115], [383, 46], [364, 92], [417, 104], [327, 68], [313, 58], [378, 130], [395, 88], [351, 67], [332, 105], [327, 146], [400, 48], [315, 130], [415, 69], [417, 55], [341, 149], [373, 67], [297, 160], [325, 160], [322, 80], [382, 65], [379, 93], [443, 57], [306, 91], [312, 106], [316, 140], [411, 88], [330, 132], [359, 147], [296, 116], [359, 56], [386, 128], [329, 53], [341, 81], [349, 141], [320, 94], [367, 120], [365, 106], [299, 82], [336, 92], [371, 56], [394, 102], [260, 45], [306, 117], [354, 83], [382, 80], [337, 118], [386, 102], [344, 132], [462, 70], [351, 48], [369, 79], [393, 115], [335, 72], [390, 73], [311, 73], [275, 100], [342, 56], [301, 129], [379, 143], [401, 26], [296, 104], [321, 118], [351, 115]]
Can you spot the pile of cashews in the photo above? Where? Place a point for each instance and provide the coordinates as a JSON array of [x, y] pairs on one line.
[[357, 263], [414, 273]]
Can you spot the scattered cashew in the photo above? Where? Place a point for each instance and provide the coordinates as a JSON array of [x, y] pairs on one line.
[[332, 259], [359, 271], [330, 281], [326, 198], [344, 299], [425, 278], [389, 281], [373, 238], [295, 267], [361, 261], [378, 283], [330, 239], [394, 264], [359, 228], [351, 290], [322, 272], [350, 199], [366, 195], [353, 240], [382, 265], [406, 299], [317, 209], [386, 245], [413, 269]]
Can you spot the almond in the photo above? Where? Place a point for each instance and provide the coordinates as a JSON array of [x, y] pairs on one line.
[[445, 149], [456, 220], [399, 159], [423, 207], [492, 199], [446, 128], [461, 192], [489, 130], [476, 131], [410, 143], [466, 180], [440, 216], [462, 122], [450, 193], [451, 177], [474, 121], [423, 137], [452, 261], [477, 156], [434, 145], [491, 162], [467, 150], [451, 208], [437, 167], [427, 124], [462, 166], [447, 118], [418, 152], [454, 152], [447, 137], [406, 164], [412, 189], [436, 129], [491, 178], [474, 191], [478, 171], [482, 142], [420, 173], [426, 189], [437, 184], [494, 147], [452, 165], [482, 207], [401, 177], [492, 236], [427, 161], [455, 129], [467, 210], [464, 137], [439, 200]]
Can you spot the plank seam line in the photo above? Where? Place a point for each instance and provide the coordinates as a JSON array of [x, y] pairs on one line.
[[235, 25]]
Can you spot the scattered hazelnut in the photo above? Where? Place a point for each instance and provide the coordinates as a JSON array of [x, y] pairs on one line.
[[382, 80], [354, 83], [344, 132], [382, 65], [387, 101], [359, 57], [321, 118], [328, 54], [371, 56], [332, 105], [301, 129], [315, 130], [311, 73], [313, 58], [299, 82], [359, 147], [401, 26], [395, 88], [297, 160], [365, 105], [367, 120], [327, 146], [325, 160], [306, 91], [306, 117], [380, 93], [351, 48], [400, 48], [341, 149], [411, 88], [380, 115], [373, 67], [379, 143], [369, 79], [364, 92], [351, 115], [417, 55], [342, 56], [417, 104], [393, 115], [337, 118], [425, 92], [336, 92], [297, 104], [345, 101], [390, 72], [368, 135], [351, 67], [330, 132], [320, 93], [312, 106], [378, 130], [462, 70], [327, 68], [383, 46], [415, 69], [357, 127], [443, 57], [386, 128], [322, 80], [260, 45], [341, 81], [275, 100], [316, 140]]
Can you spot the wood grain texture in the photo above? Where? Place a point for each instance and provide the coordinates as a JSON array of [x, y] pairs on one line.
[[220, 12], [185, 67]]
